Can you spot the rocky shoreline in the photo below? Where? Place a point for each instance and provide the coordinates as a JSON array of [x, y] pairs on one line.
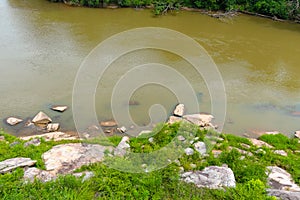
[[66, 158]]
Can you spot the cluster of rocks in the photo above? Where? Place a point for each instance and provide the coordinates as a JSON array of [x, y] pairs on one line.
[[41, 121], [111, 127], [200, 119]]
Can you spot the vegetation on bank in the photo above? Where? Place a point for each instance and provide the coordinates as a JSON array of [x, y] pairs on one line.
[[109, 183], [284, 9]]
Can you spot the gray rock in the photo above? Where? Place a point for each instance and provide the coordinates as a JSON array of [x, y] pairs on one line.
[[122, 147], [179, 110], [56, 136], [202, 120], [34, 173], [13, 163], [284, 195], [180, 138], [151, 140], [35, 142], [14, 143], [189, 151], [212, 177], [122, 129], [216, 153], [281, 152], [2, 138], [13, 121], [110, 123], [259, 143], [52, 127], [65, 158], [297, 134], [59, 108], [280, 179], [174, 119], [41, 118], [86, 175], [200, 147]]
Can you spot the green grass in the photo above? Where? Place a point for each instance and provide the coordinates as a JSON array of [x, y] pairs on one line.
[[110, 183]]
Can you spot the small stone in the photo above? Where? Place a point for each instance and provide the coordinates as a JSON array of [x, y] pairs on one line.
[[216, 153], [13, 121], [151, 140], [189, 151], [281, 152], [259, 143], [86, 175], [122, 147], [193, 166], [122, 129], [110, 123], [35, 142], [174, 119], [13, 163], [181, 169], [144, 132], [200, 147], [246, 146], [179, 110], [41, 118], [144, 165], [52, 127], [59, 108], [31, 173], [297, 134], [2, 138], [181, 138], [14, 143], [260, 151]]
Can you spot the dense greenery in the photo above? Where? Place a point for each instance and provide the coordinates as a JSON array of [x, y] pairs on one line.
[[109, 183], [285, 9]]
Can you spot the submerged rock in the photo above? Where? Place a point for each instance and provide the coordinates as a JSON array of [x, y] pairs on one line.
[[53, 127], [212, 177], [110, 123], [13, 163], [179, 110], [13, 121], [59, 108], [41, 118]]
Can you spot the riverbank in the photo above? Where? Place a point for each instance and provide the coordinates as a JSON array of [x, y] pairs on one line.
[[277, 10], [238, 168]]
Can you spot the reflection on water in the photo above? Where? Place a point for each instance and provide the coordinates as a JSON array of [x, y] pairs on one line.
[[42, 46]]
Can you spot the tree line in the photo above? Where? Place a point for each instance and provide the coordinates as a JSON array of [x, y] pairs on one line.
[[284, 9]]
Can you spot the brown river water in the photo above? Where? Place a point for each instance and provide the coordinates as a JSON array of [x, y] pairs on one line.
[[42, 45]]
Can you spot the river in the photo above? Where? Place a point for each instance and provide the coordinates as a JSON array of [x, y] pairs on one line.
[[43, 44]]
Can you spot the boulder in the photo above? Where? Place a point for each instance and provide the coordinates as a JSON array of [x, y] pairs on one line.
[[200, 147], [59, 108], [122, 147], [259, 143], [56, 136], [52, 127], [13, 163], [66, 158], [212, 177], [280, 179], [284, 195], [13, 121], [297, 134], [179, 110], [110, 123], [41, 118]]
